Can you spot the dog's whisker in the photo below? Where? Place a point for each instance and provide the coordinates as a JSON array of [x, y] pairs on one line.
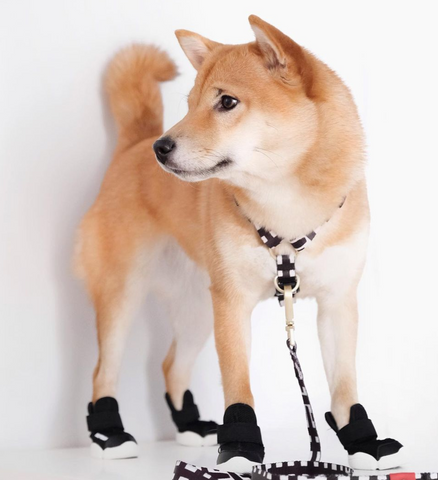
[[271, 126], [265, 154], [269, 151]]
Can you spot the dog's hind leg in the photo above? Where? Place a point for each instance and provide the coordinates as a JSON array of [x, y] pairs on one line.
[[114, 257], [184, 289], [192, 323]]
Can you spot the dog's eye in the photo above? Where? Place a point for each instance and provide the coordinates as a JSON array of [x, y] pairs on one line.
[[228, 103]]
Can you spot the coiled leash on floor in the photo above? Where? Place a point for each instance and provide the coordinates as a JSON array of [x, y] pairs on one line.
[[287, 284]]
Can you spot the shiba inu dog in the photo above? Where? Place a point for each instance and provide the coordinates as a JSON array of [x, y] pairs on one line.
[[272, 135]]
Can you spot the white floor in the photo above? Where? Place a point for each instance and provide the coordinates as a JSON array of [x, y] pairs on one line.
[[156, 461]]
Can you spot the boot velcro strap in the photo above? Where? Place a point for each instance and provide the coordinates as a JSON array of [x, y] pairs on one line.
[[102, 421], [188, 414], [357, 431], [239, 432]]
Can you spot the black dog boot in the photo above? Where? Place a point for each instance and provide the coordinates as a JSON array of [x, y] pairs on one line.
[[240, 440], [359, 438], [109, 440], [192, 432]]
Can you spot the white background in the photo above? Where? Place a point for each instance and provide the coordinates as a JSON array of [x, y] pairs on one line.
[[56, 139]]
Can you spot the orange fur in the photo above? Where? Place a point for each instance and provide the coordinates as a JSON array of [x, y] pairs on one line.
[[132, 85]]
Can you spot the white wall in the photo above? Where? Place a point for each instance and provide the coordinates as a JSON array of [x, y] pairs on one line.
[[55, 144]]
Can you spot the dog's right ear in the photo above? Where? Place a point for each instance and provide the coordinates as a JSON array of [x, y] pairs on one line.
[[195, 46]]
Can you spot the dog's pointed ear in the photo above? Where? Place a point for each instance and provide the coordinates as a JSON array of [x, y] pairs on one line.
[[269, 41], [195, 46], [282, 55]]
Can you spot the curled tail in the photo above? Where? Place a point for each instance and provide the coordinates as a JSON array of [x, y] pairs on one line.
[[132, 83]]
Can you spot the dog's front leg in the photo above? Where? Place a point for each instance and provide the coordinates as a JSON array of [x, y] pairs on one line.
[[337, 325], [337, 329], [232, 329], [239, 437]]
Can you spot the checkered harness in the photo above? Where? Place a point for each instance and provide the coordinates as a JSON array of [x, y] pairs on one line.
[[286, 274]]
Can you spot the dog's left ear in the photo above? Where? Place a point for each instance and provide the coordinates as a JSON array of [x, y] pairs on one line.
[[282, 55], [195, 46]]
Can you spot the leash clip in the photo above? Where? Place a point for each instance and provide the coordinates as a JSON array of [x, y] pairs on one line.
[[288, 293]]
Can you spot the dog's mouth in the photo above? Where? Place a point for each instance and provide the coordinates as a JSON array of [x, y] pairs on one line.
[[199, 173]]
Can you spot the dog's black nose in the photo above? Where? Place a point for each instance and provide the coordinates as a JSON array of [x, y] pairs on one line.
[[163, 147]]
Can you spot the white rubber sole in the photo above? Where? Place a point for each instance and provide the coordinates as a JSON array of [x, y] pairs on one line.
[[237, 464], [192, 439], [363, 461], [125, 450]]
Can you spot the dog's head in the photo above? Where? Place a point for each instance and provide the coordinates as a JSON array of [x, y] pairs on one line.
[[251, 110]]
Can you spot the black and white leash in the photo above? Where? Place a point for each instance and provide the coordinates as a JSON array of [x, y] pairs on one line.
[[287, 284], [315, 445], [290, 471]]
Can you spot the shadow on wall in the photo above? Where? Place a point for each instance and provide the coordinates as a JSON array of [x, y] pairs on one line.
[[77, 340]]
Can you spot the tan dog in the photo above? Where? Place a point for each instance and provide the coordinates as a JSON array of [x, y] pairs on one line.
[[270, 127]]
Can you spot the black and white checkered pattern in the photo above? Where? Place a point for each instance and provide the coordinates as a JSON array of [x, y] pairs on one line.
[[295, 470], [285, 263], [325, 471], [315, 445], [286, 274], [286, 269], [289, 471], [269, 238], [272, 240], [301, 243], [185, 471]]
